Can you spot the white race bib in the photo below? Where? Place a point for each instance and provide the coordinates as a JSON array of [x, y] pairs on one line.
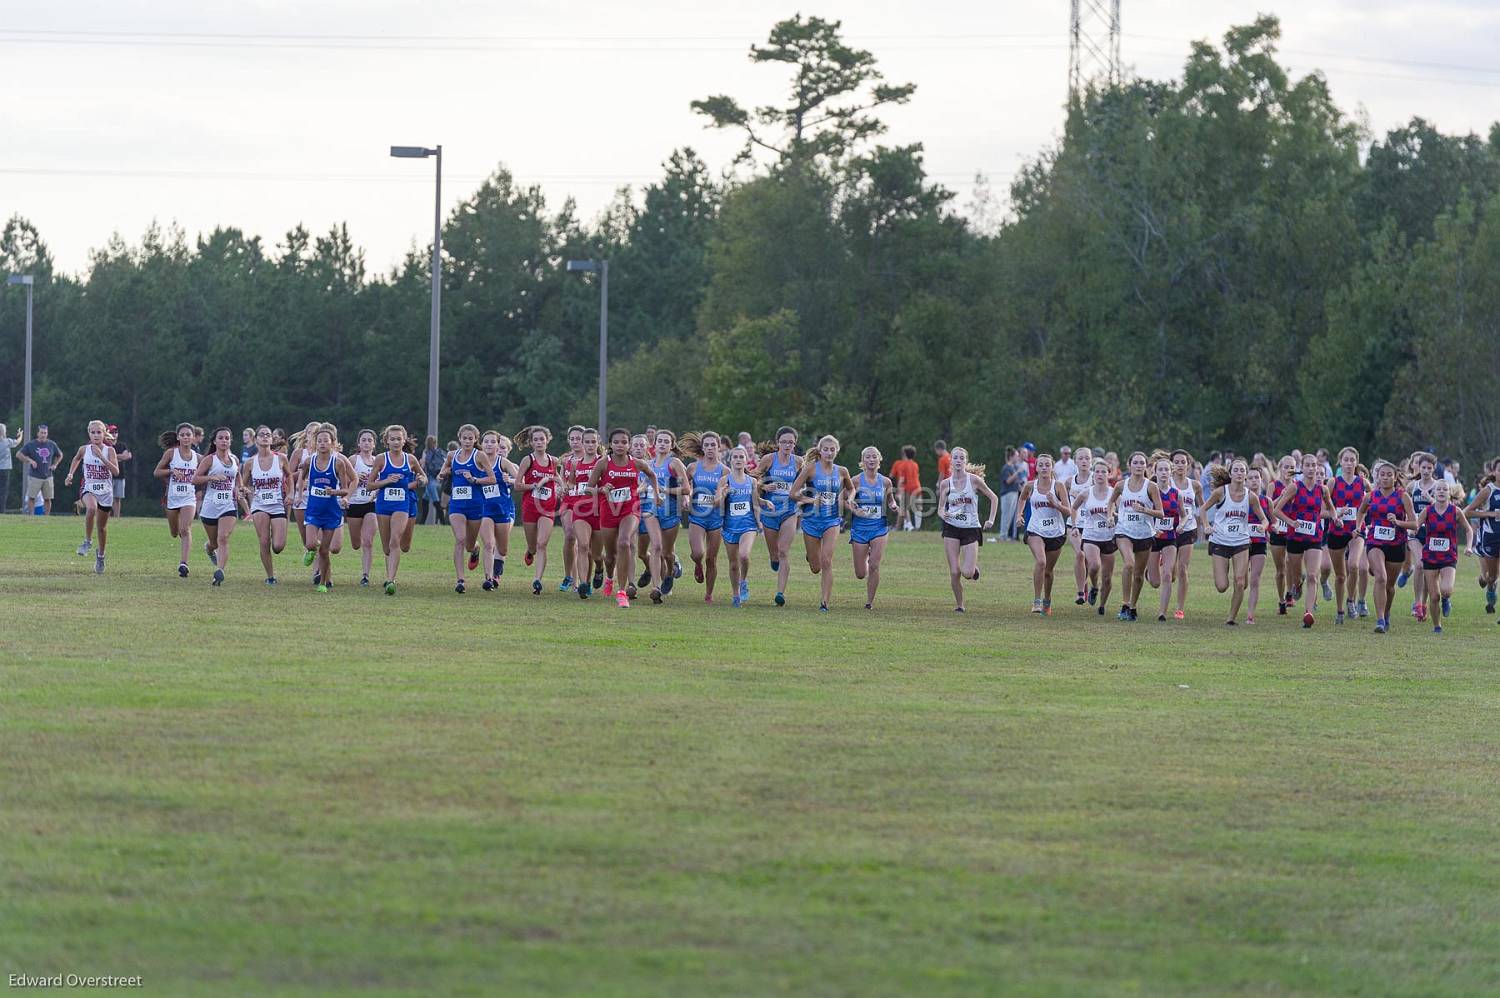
[[1164, 523], [1047, 523], [1307, 528], [739, 509], [868, 512], [827, 498], [267, 497], [1346, 514], [1438, 544], [180, 490], [1233, 528], [1133, 518], [542, 493], [703, 502], [579, 489], [393, 494], [618, 496], [463, 493], [1257, 531], [491, 491], [1384, 533], [318, 492], [101, 488]]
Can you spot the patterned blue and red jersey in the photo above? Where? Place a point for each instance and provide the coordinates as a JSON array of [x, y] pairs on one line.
[[1277, 525], [1166, 526], [1306, 507], [1440, 547], [1385, 508], [1345, 496]]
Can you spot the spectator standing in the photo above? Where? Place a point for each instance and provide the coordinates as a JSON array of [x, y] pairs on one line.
[[1028, 451], [908, 480], [432, 464], [944, 459], [6, 446], [247, 444], [1012, 477], [1065, 470], [122, 454], [40, 455]]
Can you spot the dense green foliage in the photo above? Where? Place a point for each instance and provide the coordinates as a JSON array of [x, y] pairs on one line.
[[1203, 262]]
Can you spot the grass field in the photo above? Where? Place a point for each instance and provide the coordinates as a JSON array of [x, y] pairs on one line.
[[251, 791]]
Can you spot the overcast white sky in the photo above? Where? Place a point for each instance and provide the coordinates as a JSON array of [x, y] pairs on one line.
[[266, 113]]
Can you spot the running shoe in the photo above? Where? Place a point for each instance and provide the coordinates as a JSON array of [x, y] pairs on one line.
[[775, 565], [780, 599], [708, 599], [644, 578], [1349, 608], [1249, 620], [322, 589], [609, 586], [1036, 606], [1447, 606], [1489, 600], [390, 588], [958, 609], [1046, 608], [583, 591], [308, 556], [975, 576], [822, 607], [1134, 615], [99, 565], [1421, 612], [536, 587], [1307, 619], [1281, 608], [1179, 615], [599, 579], [656, 595], [213, 556], [317, 577], [1124, 613], [473, 559], [698, 572], [488, 585], [666, 586], [622, 601], [218, 577], [1230, 623], [745, 589], [1161, 618], [1101, 609], [735, 601], [676, 567], [530, 556], [364, 581], [271, 581], [1437, 628], [1093, 595], [499, 568], [1338, 618], [84, 548], [182, 570], [567, 584], [1327, 591], [1380, 627], [1361, 609], [1401, 579], [1081, 600]]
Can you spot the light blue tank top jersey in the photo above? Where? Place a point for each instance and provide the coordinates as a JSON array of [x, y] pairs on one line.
[[740, 519], [779, 494], [704, 511], [869, 509], [823, 514]]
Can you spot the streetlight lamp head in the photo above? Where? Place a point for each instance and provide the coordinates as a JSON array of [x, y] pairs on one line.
[[20, 279], [583, 266], [412, 152]]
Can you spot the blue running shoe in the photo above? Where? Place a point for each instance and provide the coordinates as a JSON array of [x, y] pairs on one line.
[[567, 584], [1401, 580]]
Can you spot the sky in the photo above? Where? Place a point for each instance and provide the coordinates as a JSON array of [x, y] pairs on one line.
[[263, 114]]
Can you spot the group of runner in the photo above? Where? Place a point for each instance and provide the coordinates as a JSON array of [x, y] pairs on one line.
[[625, 498]]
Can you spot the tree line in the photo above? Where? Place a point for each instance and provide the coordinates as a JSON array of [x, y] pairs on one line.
[[1226, 259]]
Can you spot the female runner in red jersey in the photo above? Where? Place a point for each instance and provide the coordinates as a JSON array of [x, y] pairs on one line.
[[1286, 475], [566, 501], [617, 481], [538, 480], [1383, 518], [1439, 525], [582, 506], [1302, 507]]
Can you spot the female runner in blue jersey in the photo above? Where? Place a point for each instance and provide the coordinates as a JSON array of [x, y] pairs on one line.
[[499, 509], [705, 513], [661, 521], [777, 471], [396, 475], [826, 484], [329, 477], [469, 470], [873, 496]]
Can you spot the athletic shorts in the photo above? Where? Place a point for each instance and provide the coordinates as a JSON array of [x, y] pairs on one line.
[[323, 519], [1105, 547], [609, 519], [817, 526], [360, 510], [772, 522], [1433, 566], [964, 535], [1137, 543], [1224, 550], [1394, 554], [1277, 540], [531, 513], [1257, 548], [1048, 543], [1162, 543], [1187, 540], [274, 516], [1488, 546], [469, 509], [734, 536], [860, 534], [1294, 546], [1337, 542]]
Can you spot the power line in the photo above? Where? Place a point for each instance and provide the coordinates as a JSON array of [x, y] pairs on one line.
[[145, 173]]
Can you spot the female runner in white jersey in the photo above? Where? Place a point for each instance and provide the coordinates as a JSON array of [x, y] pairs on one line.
[[301, 452], [1077, 486], [1234, 509], [359, 515], [958, 507], [1137, 505], [1189, 506], [176, 467], [1043, 510], [1093, 511], [100, 466], [265, 479], [219, 473]]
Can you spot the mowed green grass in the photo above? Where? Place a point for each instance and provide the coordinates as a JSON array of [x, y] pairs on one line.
[[248, 791]]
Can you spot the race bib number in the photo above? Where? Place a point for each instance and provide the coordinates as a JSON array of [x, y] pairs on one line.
[[739, 509], [267, 497], [180, 490], [318, 492], [1164, 524], [394, 494], [463, 493], [618, 496], [223, 496], [868, 512], [491, 491], [703, 503], [98, 487], [1233, 528], [542, 493], [1133, 518], [1438, 544], [1346, 514], [1307, 528], [827, 498], [1384, 533], [579, 489], [361, 495], [774, 485], [1047, 523]]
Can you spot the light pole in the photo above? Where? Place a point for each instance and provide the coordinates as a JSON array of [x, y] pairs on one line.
[[421, 152], [600, 267], [29, 281]]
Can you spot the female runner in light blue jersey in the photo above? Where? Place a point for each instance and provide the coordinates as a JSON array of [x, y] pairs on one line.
[[872, 498], [826, 484], [661, 521], [739, 495], [777, 471], [705, 513]]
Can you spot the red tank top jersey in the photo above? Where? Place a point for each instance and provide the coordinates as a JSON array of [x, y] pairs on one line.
[[1346, 498], [1440, 545], [620, 487], [543, 499]]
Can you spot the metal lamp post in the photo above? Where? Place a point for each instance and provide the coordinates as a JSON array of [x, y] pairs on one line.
[[29, 281], [422, 152], [600, 267]]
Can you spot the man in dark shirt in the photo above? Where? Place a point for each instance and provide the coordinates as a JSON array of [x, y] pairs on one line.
[[40, 455]]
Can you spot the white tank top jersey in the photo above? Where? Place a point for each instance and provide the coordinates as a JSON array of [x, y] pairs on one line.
[[299, 501], [1132, 520], [218, 498], [1232, 521], [180, 489], [1094, 516], [1187, 500], [1046, 517], [96, 476], [961, 508], [1076, 491], [266, 494], [362, 469]]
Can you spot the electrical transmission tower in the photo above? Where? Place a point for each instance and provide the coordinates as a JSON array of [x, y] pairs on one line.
[[1093, 45]]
